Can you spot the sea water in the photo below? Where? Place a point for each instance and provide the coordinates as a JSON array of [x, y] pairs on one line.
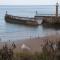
[[15, 32]]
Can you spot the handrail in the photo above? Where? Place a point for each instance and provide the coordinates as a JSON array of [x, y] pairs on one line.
[[47, 15]]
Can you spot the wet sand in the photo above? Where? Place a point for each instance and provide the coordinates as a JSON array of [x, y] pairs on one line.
[[35, 44]]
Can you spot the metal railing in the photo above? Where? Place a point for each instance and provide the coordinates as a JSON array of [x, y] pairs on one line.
[[47, 15]]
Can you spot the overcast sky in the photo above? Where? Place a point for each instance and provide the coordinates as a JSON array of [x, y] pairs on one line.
[[28, 2]]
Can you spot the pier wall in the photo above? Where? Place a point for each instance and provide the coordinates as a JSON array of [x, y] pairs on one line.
[[49, 19]]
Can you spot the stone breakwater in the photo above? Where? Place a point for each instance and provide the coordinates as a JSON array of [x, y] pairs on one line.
[[51, 20]]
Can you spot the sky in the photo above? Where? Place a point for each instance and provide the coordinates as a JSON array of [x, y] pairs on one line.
[[28, 2]]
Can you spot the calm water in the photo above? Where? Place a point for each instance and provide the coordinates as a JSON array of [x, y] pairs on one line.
[[18, 32]]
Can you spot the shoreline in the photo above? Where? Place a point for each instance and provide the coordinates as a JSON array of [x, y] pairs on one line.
[[35, 44]]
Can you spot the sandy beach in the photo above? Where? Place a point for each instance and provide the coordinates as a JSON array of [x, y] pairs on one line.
[[35, 44]]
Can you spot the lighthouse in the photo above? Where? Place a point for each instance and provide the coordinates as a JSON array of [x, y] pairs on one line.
[[57, 9]]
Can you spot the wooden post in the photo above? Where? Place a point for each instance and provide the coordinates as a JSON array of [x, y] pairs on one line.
[[6, 12]]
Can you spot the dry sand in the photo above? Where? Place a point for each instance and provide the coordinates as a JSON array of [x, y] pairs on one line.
[[35, 44]]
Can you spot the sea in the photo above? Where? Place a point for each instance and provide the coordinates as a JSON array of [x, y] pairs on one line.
[[13, 32]]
